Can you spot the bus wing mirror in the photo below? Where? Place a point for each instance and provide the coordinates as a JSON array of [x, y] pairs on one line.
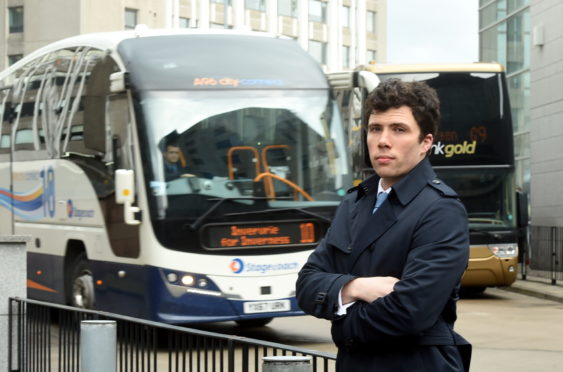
[[367, 80], [97, 91], [522, 217], [118, 82], [340, 80], [125, 194]]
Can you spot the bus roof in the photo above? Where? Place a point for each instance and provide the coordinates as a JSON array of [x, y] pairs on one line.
[[432, 67], [110, 40]]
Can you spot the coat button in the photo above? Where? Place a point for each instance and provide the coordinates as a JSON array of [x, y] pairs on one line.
[[321, 296], [349, 248], [436, 182]]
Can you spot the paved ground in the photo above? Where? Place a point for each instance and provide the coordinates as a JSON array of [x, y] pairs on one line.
[[538, 287]]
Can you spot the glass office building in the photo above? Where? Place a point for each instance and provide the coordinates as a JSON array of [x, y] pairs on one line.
[[505, 37]]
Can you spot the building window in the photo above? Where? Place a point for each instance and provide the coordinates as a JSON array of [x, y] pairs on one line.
[[287, 8], [14, 58], [222, 1], [217, 25], [317, 11], [519, 93], [371, 55], [518, 42], [318, 50], [345, 16], [371, 21], [493, 44], [15, 19], [516, 4], [255, 5], [130, 18], [492, 13], [183, 22], [345, 56]]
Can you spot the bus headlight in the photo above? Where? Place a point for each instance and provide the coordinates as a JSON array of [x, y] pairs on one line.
[[179, 282], [188, 280], [504, 250]]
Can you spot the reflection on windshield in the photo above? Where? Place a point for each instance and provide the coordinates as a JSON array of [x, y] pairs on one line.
[[257, 149], [486, 194]]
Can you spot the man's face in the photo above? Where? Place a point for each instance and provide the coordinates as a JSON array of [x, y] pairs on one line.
[[172, 154], [394, 144]]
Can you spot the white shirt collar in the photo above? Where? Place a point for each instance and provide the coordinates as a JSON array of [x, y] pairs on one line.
[[380, 188]]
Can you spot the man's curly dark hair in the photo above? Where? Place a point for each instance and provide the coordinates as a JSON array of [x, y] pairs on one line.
[[421, 98]]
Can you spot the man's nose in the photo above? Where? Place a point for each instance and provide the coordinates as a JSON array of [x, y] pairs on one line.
[[384, 139]]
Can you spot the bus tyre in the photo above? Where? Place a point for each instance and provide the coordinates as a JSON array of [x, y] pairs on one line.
[[250, 323], [82, 284], [471, 291]]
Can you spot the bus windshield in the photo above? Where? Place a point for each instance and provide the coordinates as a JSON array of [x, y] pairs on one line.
[[240, 153], [487, 195], [475, 126]]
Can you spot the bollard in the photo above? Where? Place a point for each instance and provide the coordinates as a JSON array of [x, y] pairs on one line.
[[98, 346], [13, 274], [287, 364]]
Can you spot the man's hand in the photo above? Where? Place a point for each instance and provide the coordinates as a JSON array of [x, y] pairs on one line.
[[368, 289]]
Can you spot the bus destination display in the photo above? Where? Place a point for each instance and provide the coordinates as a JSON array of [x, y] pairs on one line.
[[252, 235]]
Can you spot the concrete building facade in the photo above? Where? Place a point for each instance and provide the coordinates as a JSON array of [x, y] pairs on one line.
[[546, 112], [340, 34]]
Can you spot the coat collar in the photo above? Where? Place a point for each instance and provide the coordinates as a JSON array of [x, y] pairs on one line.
[[407, 188], [410, 185]]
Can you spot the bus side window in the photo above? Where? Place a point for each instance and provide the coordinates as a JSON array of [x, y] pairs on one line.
[[83, 135], [25, 109], [5, 126], [24, 138]]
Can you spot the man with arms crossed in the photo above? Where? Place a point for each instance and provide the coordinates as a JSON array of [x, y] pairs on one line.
[[388, 270]]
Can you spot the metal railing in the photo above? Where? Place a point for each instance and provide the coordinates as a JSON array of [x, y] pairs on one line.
[[46, 337], [546, 253]]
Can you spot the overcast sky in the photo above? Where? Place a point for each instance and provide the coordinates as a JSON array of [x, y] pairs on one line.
[[432, 31]]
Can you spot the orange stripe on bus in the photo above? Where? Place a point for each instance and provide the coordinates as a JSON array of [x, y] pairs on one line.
[[41, 287]]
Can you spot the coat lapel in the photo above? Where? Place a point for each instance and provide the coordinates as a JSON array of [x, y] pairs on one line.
[[362, 213], [368, 227], [374, 225]]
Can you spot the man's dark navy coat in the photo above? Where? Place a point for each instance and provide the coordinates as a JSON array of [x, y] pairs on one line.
[[418, 235]]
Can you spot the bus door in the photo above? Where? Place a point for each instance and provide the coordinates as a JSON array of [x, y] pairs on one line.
[[109, 129]]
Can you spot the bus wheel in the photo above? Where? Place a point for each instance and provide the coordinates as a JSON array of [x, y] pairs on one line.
[[471, 291], [250, 323], [82, 284]]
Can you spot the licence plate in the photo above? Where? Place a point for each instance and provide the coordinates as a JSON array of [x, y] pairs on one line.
[[266, 306]]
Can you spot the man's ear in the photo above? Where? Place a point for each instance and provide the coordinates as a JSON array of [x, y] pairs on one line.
[[427, 142]]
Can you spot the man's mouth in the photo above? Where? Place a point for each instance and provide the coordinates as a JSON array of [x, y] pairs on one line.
[[384, 159]]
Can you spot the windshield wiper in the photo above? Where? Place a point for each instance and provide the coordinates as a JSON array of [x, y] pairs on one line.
[[197, 223], [491, 234], [304, 211]]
